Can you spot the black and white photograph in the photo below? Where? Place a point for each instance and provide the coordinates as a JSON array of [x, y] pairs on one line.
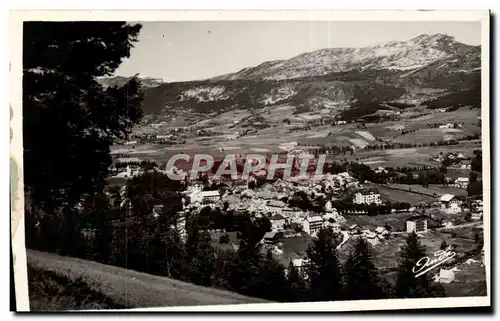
[[252, 162]]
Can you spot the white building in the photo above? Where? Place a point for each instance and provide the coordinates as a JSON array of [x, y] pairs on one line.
[[367, 196], [381, 170], [446, 276], [372, 238], [450, 204], [462, 182], [312, 224], [300, 265], [417, 224], [210, 196]]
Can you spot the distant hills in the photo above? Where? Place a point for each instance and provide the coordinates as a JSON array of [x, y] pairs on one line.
[[431, 70]]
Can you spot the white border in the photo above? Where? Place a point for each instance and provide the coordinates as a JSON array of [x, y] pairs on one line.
[[17, 17]]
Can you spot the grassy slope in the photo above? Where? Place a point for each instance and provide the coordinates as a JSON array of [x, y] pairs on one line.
[[125, 288]]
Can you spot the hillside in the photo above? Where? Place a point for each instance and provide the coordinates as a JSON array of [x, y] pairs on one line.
[[419, 71], [127, 288]]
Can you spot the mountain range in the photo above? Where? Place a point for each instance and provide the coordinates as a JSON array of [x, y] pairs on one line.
[[427, 70]]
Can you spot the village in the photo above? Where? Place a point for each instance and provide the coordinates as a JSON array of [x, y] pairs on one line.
[[298, 210]]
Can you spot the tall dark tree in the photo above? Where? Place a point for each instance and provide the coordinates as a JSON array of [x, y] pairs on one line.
[[362, 281], [243, 270], [200, 256], [175, 255], [324, 270], [272, 283], [477, 162], [297, 286], [409, 286], [69, 119]]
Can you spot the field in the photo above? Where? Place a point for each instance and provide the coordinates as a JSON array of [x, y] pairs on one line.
[[294, 248], [392, 195], [130, 288], [408, 156], [394, 220], [438, 189], [49, 291]]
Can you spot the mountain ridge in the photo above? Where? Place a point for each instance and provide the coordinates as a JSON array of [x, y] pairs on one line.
[[335, 79]]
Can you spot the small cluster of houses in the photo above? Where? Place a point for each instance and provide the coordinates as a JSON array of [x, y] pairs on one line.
[[371, 236], [448, 126], [456, 160]]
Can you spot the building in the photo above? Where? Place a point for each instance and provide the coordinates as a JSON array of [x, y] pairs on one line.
[[380, 230], [209, 196], [381, 170], [446, 276], [270, 238], [462, 182], [300, 265], [367, 196], [335, 227], [450, 204], [445, 200], [312, 224], [417, 224], [371, 238], [277, 221], [275, 206]]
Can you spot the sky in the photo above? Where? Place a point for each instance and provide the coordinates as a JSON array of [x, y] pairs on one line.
[[195, 50]]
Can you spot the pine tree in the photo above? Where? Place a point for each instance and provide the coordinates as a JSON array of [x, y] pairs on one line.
[[200, 256], [223, 260], [361, 279], [69, 119], [243, 272], [272, 284], [175, 256], [324, 270], [297, 285], [409, 286]]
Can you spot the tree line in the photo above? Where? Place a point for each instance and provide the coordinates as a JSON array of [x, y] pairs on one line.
[[154, 246]]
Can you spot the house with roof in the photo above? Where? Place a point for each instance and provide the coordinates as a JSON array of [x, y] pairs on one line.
[[209, 196], [301, 265], [417, 224], [270, 238], [450, 204], [446, 276], [354, 229], [312, 224], [381, 170], [275, 206], [382, 231], [462, 182], [334, 226], [371, 238], [277, 222]]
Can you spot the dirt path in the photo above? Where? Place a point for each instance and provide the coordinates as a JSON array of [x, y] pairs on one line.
[[134, 289]]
